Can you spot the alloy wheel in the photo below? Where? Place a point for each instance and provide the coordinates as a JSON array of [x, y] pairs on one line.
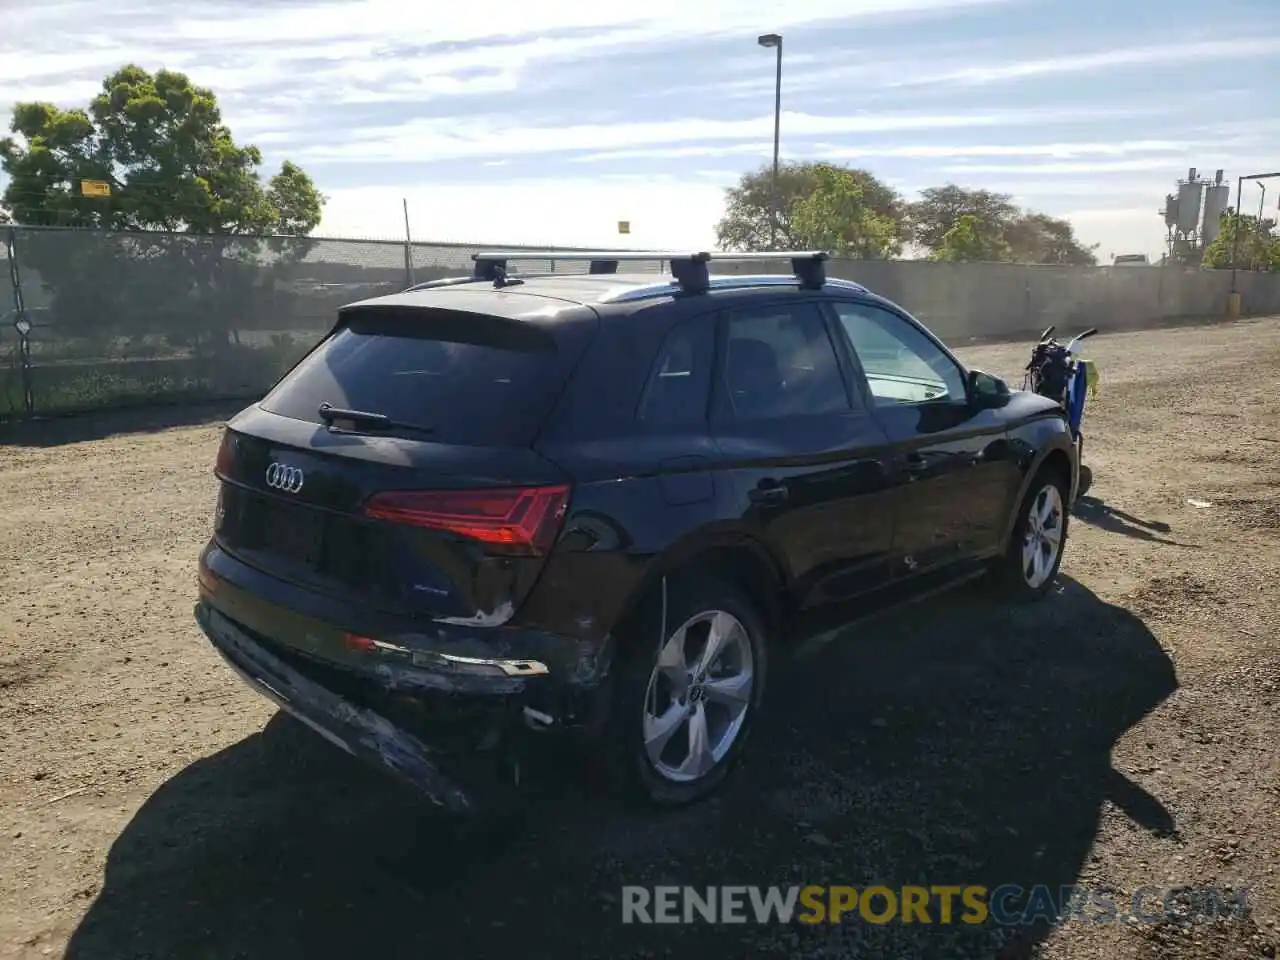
[[698, 696], [1042, 540]]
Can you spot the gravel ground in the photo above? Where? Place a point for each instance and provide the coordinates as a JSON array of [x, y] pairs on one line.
[[1123, 733]]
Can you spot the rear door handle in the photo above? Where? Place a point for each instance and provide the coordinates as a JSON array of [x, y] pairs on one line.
[[776, 494]]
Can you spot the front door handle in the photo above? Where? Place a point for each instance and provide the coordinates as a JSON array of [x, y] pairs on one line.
[[767, 495]]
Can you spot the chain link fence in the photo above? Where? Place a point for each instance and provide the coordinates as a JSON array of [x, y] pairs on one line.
[[92, 320]]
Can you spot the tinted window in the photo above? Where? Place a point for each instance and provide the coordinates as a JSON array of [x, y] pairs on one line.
[[676, 392], [902, 365], [779, 362], [421, 369]]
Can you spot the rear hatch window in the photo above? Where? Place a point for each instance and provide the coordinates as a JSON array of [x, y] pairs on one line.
[[464, 378]]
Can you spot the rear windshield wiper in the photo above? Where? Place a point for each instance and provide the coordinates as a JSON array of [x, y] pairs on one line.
[[346, 419]]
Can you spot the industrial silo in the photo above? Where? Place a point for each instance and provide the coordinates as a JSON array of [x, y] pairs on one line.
[[1189, 193], [1170, 210], [1216, 198]]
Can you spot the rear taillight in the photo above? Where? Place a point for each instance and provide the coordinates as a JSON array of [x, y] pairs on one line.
[[522, 520], [226, 456]]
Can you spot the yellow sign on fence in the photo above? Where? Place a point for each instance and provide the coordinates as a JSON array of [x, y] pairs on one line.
[[624, 226], [95, 188]]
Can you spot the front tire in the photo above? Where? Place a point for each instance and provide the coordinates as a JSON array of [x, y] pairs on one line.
[[683, 707], [1030, 565], [1086, 481]]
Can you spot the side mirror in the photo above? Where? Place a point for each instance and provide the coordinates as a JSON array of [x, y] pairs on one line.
[[986, 390]]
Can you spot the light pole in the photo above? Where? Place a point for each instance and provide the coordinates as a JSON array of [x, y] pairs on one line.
[[1257, 227], [774, 40]]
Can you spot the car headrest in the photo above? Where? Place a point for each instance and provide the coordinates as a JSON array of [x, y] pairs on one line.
[[752, 365]]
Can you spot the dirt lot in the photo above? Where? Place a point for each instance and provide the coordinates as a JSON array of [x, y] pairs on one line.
[[1125, 732]]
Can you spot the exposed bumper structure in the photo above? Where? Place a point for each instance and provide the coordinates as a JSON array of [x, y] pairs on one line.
[[401, 653], [355, 729]]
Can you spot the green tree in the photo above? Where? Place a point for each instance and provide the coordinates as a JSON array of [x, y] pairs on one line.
[[159, 140], [972, 239], [747, 221], [836, 216], [1257, 248], [1040, 238], [294, 201], [1000, 229], [172, 165], [939, 209]]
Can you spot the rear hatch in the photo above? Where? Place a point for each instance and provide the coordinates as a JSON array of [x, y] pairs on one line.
[[393, 466]]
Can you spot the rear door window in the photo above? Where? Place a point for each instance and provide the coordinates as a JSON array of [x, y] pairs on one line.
[[468, 379], [676, 393], [779, 362]]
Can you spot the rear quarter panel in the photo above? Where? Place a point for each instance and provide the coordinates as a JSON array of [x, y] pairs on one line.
[[639, 492]]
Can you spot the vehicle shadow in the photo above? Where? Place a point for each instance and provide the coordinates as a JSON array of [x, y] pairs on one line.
[[960, 742], [98, 425], [1100, 514]]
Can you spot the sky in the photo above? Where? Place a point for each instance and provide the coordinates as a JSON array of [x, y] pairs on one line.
[[525, 123]]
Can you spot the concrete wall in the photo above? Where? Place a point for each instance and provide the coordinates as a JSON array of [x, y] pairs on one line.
[[959, 301]]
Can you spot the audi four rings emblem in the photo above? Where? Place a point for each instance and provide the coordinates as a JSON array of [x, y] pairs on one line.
[[283, 477]]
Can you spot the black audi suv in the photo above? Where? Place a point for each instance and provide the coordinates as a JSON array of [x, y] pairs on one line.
[[502, 506]]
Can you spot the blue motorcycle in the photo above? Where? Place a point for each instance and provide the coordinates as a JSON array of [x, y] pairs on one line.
[[1059, 372]]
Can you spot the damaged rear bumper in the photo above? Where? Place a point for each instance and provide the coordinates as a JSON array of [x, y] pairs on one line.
[[356, 729]]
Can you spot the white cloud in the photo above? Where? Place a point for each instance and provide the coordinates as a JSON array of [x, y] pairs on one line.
[[674, 153], [1099, 167], [69, 92], [663, 213], [374, 19], [864, 68], [1062, 150], [726, 178], [357, 35], [1057, 169], [263, 57], [828, 151], [517, 86], [1227, 50], [1037, 192], [460, 137]]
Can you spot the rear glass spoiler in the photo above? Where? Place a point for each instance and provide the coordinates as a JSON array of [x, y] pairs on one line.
[[452, 326]]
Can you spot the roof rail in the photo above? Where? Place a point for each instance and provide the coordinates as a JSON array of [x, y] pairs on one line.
[[690, 270], [726, 282], [442, 282]]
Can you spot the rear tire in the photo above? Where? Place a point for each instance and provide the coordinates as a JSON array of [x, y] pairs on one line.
[[678, 717], [1030, 565]]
